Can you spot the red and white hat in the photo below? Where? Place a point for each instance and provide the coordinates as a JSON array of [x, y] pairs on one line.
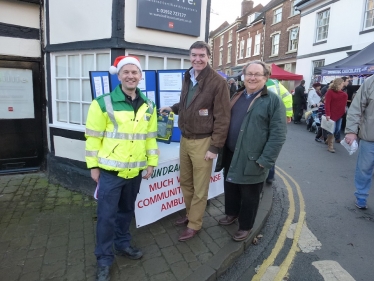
[[123, 60]]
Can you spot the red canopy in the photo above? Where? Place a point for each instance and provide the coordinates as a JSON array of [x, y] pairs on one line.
[[280, 74]]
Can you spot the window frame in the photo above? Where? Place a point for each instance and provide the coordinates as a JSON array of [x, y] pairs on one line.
[[290, 40], [275, 14], [241, 49], [68, 125], [229, 51], [293, 11], [249, 47], [230, 36], [314, 64], [259, 45], [221, 40], [318, 27], [365, 15], [220, 58], [273, 36]]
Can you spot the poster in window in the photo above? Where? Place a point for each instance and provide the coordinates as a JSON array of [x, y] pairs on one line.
[[177, 16], [16, 94]]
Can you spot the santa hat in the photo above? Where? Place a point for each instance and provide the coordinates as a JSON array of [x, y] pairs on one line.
[[123, 60]]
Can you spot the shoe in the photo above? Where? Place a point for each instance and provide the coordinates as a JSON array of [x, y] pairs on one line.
[[269, 181], [187, 234], [318, 140], [130, 252], [181, 221], [337, 141], [297, 122], [241, 235], [361, 204], [227, 220], [102, 273]]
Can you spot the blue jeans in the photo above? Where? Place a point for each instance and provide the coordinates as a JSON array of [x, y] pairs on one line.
[[364, 169], [115, 210], [338, 126], [271, 173]]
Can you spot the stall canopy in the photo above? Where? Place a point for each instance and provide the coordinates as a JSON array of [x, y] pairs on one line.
[[361, 62], [280, 74]]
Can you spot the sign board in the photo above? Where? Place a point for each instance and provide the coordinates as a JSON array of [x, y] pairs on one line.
[[16, 94], [348, 71], [100, 83], [161, 195], [177, 16]]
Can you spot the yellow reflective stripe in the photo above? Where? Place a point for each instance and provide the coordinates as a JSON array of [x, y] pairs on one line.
[[285, 95], [92, 153], [152, 135], [93, 133], [125, 136], [152, 152], [122, 165], [110, 112]]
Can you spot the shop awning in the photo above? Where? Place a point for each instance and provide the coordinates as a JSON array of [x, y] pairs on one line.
[[281, 74]]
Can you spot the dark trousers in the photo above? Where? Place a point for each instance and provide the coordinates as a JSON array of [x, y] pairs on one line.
[[241, 200], [115, 210], [297, 111], [321, 132]]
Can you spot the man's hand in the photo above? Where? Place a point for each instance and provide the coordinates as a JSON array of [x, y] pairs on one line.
[[288, 119], [95, 174], [210, 156], [350, 138], [164, 109], [149, 172]]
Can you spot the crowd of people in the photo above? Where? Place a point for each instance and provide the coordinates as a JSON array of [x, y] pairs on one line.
[[215, 121]]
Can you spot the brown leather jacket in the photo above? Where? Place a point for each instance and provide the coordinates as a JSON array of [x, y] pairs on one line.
[[213, 95]]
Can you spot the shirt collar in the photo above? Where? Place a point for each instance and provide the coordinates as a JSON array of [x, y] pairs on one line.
[[254, 93], [192, 78]]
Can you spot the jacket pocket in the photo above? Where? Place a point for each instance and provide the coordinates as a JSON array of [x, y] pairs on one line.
[[251, 167]]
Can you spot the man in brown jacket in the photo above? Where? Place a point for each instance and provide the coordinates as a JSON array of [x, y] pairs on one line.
[[204, 118]]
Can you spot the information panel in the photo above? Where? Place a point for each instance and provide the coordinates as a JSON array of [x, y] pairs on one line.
[[177, 16], [100, 83]]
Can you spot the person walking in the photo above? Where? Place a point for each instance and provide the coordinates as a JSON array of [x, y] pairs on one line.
[[335, 103], [121, 131], [232, 87], [256, 135], [298, 102], [360, 123], [204, 118]]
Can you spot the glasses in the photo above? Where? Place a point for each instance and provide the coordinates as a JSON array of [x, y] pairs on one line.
[[254, 75]]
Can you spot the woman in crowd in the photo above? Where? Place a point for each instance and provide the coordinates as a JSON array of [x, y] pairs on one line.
[[313, 97], [335, 104]]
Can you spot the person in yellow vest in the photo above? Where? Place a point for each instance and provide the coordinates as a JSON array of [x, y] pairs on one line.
[[275, 86], [121, 131]]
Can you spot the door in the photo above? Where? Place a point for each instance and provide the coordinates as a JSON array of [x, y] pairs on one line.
[[21, 113]]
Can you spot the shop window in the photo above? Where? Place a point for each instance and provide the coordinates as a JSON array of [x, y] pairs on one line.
[[317, 63], [369, 14], [249, 47], [322, 25], [256, 50], [71, 90], [173, 63], [277, 15], [155, 63], [293, 39], [275, 44]]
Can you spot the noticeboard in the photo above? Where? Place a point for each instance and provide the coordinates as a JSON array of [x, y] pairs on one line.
[[100, 83], [177, 16]]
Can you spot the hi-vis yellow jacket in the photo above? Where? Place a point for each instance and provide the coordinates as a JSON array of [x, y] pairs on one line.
[[117, 139], [275, 86]]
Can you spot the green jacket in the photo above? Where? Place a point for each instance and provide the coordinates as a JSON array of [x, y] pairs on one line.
[[262, 135]]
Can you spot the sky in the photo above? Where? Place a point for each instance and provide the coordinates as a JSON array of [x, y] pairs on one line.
[[227, 10]]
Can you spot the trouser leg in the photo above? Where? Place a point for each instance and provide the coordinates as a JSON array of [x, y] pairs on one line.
[[186, 174], [125, 213], [364, 169]]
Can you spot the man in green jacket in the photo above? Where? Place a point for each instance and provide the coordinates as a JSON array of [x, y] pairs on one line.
[[256, 134], [204, 117]]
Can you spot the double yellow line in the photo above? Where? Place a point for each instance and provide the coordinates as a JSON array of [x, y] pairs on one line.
[[284, 267]]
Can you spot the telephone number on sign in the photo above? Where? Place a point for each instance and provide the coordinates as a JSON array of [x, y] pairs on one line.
[[173, 13]]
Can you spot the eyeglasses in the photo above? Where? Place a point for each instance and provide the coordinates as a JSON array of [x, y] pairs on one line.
[[255, 75]]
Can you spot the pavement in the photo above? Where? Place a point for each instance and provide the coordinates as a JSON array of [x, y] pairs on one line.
[[47, 232]]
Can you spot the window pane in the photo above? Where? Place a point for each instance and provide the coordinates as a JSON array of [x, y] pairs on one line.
[[186, 64], [73, 66], [74, 113], [61, 66], [102, 62], [87, 64], [155, 63], [173, 63], [86, 90], [74, 90], [85, 108], [62, 112], [61, 89]]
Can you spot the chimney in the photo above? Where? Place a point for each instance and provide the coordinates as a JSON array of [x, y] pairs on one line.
[[247, 6]]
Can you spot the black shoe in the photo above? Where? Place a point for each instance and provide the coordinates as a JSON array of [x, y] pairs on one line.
[[130, 252], [318, 139], [102, 273], [269, 181]]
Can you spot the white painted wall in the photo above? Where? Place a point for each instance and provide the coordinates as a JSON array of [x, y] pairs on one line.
[[159, 38], [72, 20], [19, 47], [19, 13], [346, 21], [69, 148]]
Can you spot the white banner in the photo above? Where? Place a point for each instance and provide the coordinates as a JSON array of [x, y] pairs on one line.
[[161, 195]]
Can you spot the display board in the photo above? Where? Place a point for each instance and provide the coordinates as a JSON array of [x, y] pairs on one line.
[[168, 92], [100, 83], [147, 84]]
